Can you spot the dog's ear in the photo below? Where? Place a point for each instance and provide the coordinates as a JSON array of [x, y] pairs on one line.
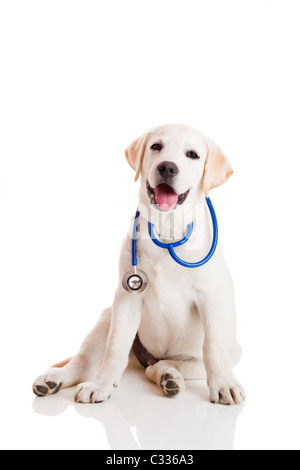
[[135, 154], [217, 168]]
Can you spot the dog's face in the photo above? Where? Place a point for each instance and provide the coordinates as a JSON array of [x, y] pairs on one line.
[[176, 163]]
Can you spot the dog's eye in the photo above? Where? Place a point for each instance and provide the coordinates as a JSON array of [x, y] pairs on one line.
[[157, 147], [192, 155]]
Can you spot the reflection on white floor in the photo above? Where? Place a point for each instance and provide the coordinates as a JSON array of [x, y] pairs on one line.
[[138, 416]]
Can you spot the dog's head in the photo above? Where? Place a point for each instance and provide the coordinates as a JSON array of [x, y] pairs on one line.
[[176, 164]]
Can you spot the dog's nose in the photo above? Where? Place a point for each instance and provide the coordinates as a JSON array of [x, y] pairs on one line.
[[168, 170]]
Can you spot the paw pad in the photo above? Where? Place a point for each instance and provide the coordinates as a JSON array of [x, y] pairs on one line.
[[41, 391], [44, 390], [169, 385]]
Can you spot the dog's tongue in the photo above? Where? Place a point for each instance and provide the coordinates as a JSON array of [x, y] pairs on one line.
[[166, 198]]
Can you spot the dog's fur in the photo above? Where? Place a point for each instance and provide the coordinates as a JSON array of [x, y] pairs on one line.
[[186, 319]]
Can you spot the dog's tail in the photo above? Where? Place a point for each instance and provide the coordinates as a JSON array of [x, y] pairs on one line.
[[62, 363]]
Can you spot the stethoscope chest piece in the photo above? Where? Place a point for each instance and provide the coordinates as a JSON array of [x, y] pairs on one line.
[[135, 281]]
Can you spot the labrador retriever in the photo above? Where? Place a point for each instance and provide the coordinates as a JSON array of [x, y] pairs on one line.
[[183, 327]]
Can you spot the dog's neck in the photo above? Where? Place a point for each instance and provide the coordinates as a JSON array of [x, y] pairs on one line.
[[170, 226]]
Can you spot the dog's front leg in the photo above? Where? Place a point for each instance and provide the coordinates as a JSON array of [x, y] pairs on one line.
[[126, 318], [223, 385]]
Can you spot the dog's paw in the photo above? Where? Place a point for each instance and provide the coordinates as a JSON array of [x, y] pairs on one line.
[[172, 383], [226, 391], [93, 392], [49, 383]]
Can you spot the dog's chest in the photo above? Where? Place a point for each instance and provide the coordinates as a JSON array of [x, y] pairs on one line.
[[170, 316], [172, 286], [172, 291]]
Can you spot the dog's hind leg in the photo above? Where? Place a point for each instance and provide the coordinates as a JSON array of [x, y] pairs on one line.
[[79, 368], [169, 375]]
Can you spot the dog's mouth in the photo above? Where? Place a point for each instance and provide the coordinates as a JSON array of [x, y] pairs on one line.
[[165, 197]]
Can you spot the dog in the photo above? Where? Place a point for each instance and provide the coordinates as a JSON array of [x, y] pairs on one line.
[[183, 327]]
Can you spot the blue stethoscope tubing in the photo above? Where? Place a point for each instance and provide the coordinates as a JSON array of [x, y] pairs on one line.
[[170, 246]]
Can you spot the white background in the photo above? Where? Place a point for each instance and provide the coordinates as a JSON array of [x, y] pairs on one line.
[[79, 80]]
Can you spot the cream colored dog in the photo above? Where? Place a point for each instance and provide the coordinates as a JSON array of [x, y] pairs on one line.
[[183, 326]]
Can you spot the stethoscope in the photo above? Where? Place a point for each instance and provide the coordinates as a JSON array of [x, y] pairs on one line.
[[136, 280]]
